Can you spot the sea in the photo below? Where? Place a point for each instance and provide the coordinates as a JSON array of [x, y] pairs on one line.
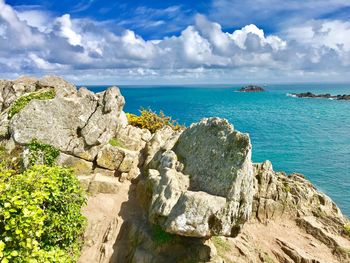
[[308, 136]]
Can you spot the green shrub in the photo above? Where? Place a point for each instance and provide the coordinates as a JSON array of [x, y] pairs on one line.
[[152, 121], [41, 153], [40, 215], [22, 101]]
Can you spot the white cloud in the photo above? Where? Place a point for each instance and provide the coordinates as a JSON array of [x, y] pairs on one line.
[[196, 48], [203, 51], [334, 34], [17, 28], [35, 18], [65, 30], [41, 63], [135, 46]]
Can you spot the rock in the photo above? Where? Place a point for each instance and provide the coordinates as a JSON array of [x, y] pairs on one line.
[[99, 183], [217, 157], [123, 119], [322, 96], [129, 162], [77, 123], [11, 90], [85, 181], [140, 243], [4, 126], [110, 157], [62, 87], [133, 138], [203, 184], [162, 140], [80, 166], [103, 184], [123, 177], [62, 117], [99, 170], [199, 214], [295, 254], [277, 194], [251, 88], [103, 122]]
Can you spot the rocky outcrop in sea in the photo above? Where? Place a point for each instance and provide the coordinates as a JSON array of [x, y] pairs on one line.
[[191, 195], [322, 96], [251, 88]]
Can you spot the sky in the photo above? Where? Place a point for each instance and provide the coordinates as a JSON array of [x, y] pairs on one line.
[[177, 42]]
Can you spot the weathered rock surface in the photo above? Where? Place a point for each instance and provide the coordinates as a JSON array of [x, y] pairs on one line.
[[202, 182], [80, 166], [76, 125], [291, 222], [4, 125], [99, 183], [11, 90], [278, 194], [133, 138]]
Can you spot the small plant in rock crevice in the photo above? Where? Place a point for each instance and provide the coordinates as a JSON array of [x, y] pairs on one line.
[[116, 143], [346, 229], [41, 153]]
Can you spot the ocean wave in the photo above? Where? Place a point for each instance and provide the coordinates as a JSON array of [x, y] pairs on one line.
[[291, 95]]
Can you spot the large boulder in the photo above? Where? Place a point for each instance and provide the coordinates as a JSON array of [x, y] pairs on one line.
[[76, 122], [201, 182]]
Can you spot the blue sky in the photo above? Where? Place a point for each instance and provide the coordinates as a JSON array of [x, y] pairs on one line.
[[146, 42]]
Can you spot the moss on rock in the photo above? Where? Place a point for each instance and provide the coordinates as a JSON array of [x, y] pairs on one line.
[[23, 101]]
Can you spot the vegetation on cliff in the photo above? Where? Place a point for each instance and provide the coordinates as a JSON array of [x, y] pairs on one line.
[[40, 214], [22, 101], [41, 153], [152, 121]]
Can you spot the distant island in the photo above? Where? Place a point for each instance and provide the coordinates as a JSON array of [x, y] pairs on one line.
[[322, 96], [251, 88]]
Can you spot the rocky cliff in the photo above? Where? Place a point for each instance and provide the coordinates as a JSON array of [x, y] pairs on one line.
[[192, 195]]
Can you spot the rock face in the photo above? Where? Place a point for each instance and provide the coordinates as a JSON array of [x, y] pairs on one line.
[[76, 125], [251, 88], [79, 123], [202, 183], [278, 194], [291, 222], [322, 96]]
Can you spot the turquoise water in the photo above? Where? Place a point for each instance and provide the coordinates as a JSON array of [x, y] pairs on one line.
[[309, 136]]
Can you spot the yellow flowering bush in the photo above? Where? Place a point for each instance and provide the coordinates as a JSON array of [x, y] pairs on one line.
[[152, 121]]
